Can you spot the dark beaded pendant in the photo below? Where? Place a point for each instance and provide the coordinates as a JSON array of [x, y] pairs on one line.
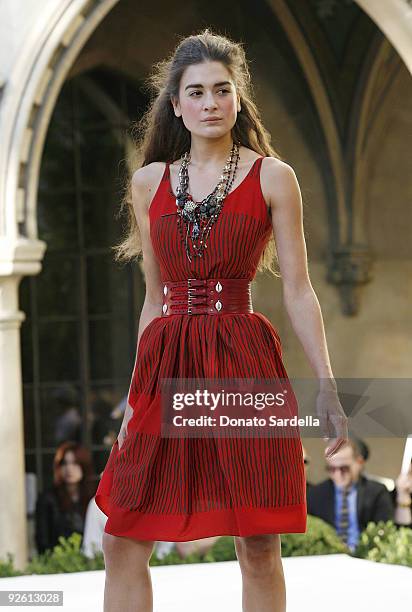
[[195, 219]]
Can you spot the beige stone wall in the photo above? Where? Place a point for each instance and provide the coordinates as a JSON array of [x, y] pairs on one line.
[[378, 341]]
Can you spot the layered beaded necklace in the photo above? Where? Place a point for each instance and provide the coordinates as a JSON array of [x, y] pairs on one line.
[[195, 219]]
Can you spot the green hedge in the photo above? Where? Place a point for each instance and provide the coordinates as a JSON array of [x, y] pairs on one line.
[[67, 556], [320, 539], [382, 542], [386, 543]]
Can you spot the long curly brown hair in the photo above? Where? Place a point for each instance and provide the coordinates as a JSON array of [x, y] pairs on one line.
[[161, 136]]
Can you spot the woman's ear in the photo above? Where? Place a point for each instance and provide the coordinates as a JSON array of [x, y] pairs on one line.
[[176, 106]]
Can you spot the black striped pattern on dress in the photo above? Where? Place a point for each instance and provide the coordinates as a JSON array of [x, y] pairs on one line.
[[162, 476]]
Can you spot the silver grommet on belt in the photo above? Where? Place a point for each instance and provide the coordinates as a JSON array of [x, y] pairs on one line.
[[164, 307], [165, 289], [218, 305], [218, 287]]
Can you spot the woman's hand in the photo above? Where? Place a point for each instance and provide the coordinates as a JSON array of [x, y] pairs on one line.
[[403, 485], [333, 420]]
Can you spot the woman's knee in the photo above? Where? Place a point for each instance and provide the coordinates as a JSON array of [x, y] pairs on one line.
[[259, 553], [120, 552]]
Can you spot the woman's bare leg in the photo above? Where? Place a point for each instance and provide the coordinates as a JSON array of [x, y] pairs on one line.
[[128, 586], [262, 573]]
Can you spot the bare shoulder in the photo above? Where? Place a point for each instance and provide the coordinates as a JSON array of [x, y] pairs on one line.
[[277, 179], [145, 182]]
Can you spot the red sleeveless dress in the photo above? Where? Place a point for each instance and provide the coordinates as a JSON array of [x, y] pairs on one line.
[[174, 489]]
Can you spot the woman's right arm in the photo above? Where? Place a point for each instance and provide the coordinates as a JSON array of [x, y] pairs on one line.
[[144, 183], [402, 498]]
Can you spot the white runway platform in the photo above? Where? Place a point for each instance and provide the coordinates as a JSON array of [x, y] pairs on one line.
[[337, 583]]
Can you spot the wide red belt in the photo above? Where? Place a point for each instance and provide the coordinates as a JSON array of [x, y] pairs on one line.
[[207, 296]]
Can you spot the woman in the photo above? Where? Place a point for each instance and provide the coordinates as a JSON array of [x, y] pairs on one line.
[[61, 510], [204, 233]]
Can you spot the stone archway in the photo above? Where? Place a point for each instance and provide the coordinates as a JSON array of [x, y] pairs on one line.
[[349, 257], [28, 96], [28, 101], [394, 19]]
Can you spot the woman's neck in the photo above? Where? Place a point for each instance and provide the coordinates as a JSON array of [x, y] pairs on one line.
[[207, 153], [73, 490]]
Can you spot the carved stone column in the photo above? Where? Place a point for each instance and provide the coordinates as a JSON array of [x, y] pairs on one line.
[[349, 269], [17, 258]]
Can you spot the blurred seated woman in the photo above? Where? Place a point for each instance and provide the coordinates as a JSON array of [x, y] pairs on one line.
[[61, 509]]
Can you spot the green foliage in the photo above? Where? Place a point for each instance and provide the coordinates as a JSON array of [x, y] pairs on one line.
[[66, 556], [386, 543], [222, 550], [173, 558], [381, 542], [320, 539], [7, 567]]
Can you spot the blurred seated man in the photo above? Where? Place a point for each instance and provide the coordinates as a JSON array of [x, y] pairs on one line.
[[347, 500]]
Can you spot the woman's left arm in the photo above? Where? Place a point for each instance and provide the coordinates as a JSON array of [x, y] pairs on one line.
[[282, 193]]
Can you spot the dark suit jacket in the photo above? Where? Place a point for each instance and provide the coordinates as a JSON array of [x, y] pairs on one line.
[[374, 502]]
